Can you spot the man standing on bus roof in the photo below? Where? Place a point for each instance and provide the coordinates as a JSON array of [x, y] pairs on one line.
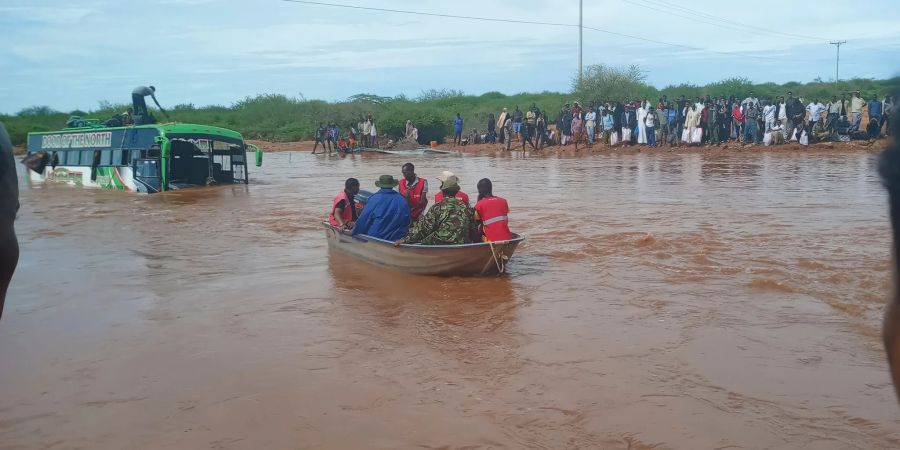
[[140, 106]]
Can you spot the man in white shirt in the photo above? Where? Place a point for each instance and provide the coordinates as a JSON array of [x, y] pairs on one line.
[[781, 116], [856, 107], [769, 115], [815, 110], [367, 130], [834, 111]]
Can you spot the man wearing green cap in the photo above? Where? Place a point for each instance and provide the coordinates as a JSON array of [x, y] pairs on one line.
[[449, 222], [386, 215]]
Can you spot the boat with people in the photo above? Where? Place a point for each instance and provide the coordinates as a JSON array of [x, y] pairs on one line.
[[391, 229], [142, 158], [482, 258]]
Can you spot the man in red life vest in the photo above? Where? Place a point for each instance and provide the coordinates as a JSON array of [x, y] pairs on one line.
[[343, 208], [493, 212], [414, 190], [440, 195]]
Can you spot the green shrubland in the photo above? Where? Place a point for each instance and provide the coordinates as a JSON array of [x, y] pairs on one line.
[[276, 117]]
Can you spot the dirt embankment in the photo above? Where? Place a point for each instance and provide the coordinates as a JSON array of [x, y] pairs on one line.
[[569, 150]]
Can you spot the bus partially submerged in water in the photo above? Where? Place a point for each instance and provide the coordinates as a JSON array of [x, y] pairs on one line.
[[143, 158]]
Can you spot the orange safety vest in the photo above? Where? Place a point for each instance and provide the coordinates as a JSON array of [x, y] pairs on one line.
[[493, 213], [346, 214], [416, 192]]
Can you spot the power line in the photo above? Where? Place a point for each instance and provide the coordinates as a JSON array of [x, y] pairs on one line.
[[693, 12], [684, 16], [686, 47], [527, 22], [421, 13]]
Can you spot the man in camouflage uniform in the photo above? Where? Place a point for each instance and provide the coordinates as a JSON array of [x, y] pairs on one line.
[[449, 222]]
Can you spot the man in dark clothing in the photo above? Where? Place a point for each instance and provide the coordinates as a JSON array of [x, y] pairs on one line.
[[320, 138], [517, 122], [141, 115], [751, 131], [617, 120], [629, 120], [564, 125]]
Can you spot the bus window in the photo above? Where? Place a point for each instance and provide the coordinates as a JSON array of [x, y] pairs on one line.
[[62, 157], [147, 168], [126, 157], [117, 157], [54, 160], [106, 158], [87, 158]]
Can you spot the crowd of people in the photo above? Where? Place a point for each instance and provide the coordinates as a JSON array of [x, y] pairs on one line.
[[684, 122], [364, 133], [403, 217]]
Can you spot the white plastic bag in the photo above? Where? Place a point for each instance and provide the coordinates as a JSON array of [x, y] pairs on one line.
[[613, 138], [767, 138], [804, 139], [686, 136], [697, 135], [626, 134]]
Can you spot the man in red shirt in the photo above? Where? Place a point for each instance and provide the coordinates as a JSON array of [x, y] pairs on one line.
[[440, 195], [493, 212], [414, 190]]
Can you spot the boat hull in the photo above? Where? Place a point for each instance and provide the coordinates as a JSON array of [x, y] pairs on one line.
[[446, 260]]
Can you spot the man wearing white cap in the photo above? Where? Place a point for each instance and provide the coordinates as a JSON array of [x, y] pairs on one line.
[[440, 195]]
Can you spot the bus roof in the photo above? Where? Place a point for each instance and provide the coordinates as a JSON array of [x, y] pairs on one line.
[[164, 128]]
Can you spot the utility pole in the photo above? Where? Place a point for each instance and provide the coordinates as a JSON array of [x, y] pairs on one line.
[[837, 65], [580, 40]]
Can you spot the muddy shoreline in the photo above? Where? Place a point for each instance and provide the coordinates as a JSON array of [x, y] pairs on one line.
[[597, 149]]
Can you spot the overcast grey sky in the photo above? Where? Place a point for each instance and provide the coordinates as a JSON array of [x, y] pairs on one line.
[[72, 55]]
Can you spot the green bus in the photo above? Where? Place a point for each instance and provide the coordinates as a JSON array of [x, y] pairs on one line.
[[143, 158]]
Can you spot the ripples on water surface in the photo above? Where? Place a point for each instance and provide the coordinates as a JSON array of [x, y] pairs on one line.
[[660, 301]]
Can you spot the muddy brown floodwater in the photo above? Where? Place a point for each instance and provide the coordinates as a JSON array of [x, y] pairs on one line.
[[662, 301]]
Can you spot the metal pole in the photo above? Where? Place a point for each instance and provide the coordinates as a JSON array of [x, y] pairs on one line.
[[580, 40], [837, 64]]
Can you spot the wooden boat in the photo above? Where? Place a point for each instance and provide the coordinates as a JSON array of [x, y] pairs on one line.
[[484, 258]]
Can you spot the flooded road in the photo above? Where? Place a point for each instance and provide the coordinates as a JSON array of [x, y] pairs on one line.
[[660, 301]]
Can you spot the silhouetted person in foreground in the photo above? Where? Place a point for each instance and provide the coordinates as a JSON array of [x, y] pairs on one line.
[[9, 206], [889, 167]]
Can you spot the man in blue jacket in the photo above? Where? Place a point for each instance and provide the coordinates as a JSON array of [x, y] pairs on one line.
[[386, 215]]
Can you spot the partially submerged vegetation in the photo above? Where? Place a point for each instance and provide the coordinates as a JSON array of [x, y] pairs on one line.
[[275, 117]]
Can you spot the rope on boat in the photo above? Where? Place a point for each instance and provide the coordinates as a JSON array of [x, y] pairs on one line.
[[501, 266]]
